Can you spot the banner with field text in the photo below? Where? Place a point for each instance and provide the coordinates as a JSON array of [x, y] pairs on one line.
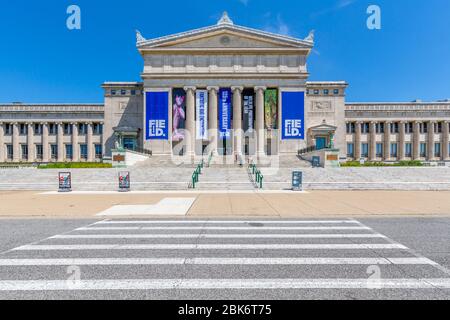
[[224, 113], [202, 114], [156, 115], [293, 116]]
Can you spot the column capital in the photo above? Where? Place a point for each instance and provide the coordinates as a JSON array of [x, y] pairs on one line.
[[44, 123], [190, 88], [257, 88], [213, 88], [404, 121], [237, 88]]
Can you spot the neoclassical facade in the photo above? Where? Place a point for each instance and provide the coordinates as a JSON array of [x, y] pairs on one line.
[[226, 90]]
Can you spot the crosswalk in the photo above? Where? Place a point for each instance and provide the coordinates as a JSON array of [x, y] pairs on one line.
[[286, 256]]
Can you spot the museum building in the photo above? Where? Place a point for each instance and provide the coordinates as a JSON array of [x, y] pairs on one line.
[[226, 90]]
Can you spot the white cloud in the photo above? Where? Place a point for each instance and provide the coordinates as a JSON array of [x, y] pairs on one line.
[[244, 2], [341, 4], [279, 27]]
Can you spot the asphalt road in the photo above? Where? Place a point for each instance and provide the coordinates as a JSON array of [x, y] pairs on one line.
[[373, 258]]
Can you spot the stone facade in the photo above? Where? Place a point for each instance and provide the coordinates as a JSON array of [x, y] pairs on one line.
[[242, 59]]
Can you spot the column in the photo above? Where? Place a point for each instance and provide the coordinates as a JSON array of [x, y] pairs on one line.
[[15, 142], [401, 141], [30, 142], [60, 141], [237, 119], [2, 143], [190, 121], [387, 141], [416, 141], [89, 144], [259, 126], [357, 141], [430, 141], [75, 146], [213, 127], [372, 142], [45, 145], [445, 141]]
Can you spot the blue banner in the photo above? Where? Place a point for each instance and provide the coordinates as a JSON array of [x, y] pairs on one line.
[[157, 116], [293, 116], [225, 113]]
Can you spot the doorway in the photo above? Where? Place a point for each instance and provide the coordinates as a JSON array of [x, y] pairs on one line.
[[321, 143]]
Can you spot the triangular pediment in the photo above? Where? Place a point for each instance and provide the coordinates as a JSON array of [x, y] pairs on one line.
[[224, 37]]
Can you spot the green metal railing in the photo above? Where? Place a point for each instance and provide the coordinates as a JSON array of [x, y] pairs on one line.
[[197, 172], [259, 178]]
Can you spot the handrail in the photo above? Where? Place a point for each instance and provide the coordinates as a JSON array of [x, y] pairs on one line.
[[259, 178], [140, 150], [307, 150], [196, 173]]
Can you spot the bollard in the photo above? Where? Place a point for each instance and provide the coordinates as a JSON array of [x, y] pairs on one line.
[[261, 178]]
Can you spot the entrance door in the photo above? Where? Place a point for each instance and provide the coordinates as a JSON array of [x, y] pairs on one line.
[[129, 143], [321, 143]]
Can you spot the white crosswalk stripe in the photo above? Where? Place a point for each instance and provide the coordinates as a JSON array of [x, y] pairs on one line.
[[193, 254]]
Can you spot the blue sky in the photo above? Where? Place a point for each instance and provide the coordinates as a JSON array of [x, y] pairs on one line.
[[42, 61]]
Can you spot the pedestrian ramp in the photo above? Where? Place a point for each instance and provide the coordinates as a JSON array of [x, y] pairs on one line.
[[220, 259]]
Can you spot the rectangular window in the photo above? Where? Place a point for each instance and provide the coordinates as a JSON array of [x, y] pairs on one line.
[[365, 127], [133, 92], [39, 152], [54, 151], [9, 151], [52, 129], [23, 130], [316, 91], [350, 127], [326, 92], [393, 150], [394, 128], [67, 128], [98, 128], [37, 129], [350, 151], [438, 127], [437, 150], [408, 150], [8, 129], [423, 150], [113, 92], [82, 128], [424, 128], [69, 152], [409, 127], [364, 150], [379, 127], [24, 149], [83, 151], [123, 92], [379, 150], [98, 151], [336, 91]]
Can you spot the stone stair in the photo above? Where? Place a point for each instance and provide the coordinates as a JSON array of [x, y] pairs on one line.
[[228, 177]]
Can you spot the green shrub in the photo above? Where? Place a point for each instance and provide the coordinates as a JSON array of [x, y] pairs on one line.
[[357, 164], [76, 165], [410, 163]]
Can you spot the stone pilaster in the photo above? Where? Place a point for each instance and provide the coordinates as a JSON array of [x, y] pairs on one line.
[[30, 142], [401, 141], [190, 121], [60, 142], [89, 144], [430, 141], [15, 142], [2, 143], [75, 145], [445, 141], [387, 141], [357, 140], [372, 142], [237, 119], [45, 144], [416, 141], [213, 118], [260, 120]]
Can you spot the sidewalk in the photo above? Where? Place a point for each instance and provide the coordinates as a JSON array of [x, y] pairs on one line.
[[284, 204]]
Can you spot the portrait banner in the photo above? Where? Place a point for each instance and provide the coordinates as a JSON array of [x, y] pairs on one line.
[[293, 116], [178, 114], [157, 115], [202, 114], [225, 113], [271, 109], [249, 111]]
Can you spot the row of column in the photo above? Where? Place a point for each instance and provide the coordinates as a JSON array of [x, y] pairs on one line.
[[401, 141], [213, 119], [45, 142]]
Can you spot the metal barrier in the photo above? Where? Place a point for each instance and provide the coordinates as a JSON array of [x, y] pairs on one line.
[[196, 173]]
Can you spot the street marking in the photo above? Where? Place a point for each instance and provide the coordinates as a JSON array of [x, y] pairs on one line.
[[167, 206], [215, 261], [215, 236], [209, 247], [226, 222], [214, 284], [222, 228]]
